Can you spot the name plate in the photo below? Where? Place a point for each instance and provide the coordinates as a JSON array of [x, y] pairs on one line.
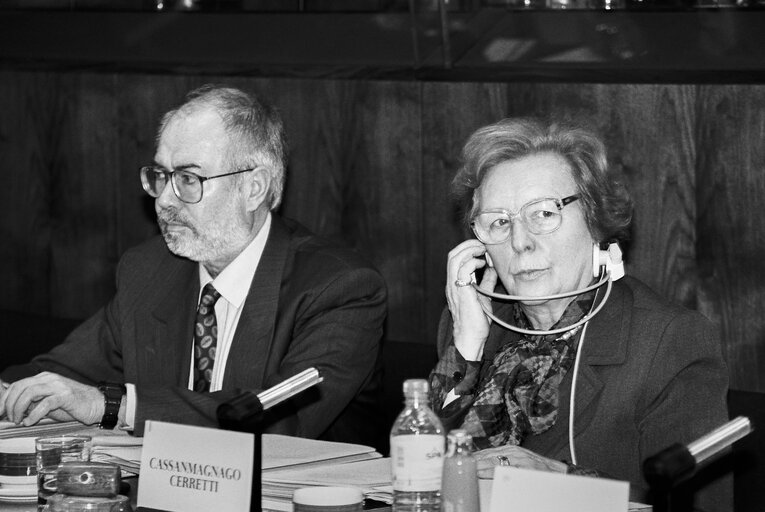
[[542, 491], [188, 469]]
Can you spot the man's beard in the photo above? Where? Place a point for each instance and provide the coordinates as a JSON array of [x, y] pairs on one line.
[[186, 244], [194, 244]]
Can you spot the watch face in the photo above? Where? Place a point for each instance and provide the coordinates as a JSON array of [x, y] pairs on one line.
[[113, 391]]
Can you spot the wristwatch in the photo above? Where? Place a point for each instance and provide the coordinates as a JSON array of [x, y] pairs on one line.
[[113, 394]]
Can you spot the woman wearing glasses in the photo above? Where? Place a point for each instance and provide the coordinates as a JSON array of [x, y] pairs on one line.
[[540, 324]]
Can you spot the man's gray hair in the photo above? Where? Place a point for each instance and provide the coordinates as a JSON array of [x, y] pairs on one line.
[[256, 132]]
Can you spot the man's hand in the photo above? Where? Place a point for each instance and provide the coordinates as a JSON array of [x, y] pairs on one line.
[[50, 395]]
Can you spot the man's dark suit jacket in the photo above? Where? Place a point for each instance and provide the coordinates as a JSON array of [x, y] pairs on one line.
[[652, 374], [310, 303]]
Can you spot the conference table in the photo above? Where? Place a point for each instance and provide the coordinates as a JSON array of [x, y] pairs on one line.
[[377, 507], [284, 444]]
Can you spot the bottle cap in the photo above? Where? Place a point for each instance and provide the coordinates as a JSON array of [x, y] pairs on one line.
[[459, 435], [416, 386]]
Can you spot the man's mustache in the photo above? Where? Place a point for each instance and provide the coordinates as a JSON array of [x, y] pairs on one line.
[[172, 216]]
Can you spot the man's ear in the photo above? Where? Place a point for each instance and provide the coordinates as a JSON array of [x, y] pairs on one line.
[[259, 185]]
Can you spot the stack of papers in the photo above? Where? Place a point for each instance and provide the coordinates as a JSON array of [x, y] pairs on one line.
[[118, 448], [283, 452], [371, 476], [290, 463], [45, 427]]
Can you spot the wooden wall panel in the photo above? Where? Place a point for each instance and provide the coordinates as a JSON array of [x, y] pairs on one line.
[[354, 176], [451, 112], [28, 108], [731, 226], [141, 102], [84, 193], [384, 212], [320, 121], [371, 164], [651, 141]]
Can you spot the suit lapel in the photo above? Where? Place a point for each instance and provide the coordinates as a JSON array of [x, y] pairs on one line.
[[251, 344], [169, 330], [603, 345]]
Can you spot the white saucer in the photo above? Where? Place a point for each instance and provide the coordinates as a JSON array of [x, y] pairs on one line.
[[19, 499], [16, 491], [17, 480], [17, 445]]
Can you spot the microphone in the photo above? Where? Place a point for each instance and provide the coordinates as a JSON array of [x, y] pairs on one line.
[[247, 408], [677, 462]]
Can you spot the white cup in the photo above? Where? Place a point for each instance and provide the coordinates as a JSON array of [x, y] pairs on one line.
[[328, 499]]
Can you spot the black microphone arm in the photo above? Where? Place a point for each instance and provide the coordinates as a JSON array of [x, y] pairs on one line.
[[678, 462], [247, 408]]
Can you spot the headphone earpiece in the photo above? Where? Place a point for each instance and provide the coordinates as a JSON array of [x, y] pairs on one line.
[[610, 259], [488, 260]]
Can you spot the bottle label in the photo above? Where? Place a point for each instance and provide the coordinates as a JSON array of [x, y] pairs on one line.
[[417, 462]]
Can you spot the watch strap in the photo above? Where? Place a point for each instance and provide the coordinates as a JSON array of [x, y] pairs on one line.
[[113, 393]]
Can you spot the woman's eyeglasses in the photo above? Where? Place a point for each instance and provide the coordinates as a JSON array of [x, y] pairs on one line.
[[540, 216]]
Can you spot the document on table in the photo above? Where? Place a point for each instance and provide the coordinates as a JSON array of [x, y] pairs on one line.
[[45, 427], [368, 475], [119, 448], [280, 451], [484, 490]]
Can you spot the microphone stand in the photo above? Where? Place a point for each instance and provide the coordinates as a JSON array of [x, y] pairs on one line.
[[677, 462], [244, 413]]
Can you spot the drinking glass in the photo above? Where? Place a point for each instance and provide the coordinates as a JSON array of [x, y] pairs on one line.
[[52, 451]]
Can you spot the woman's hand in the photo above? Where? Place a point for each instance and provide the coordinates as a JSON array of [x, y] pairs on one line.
[[515, 456], [471, 325]]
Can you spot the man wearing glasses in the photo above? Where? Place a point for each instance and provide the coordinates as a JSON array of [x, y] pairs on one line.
[[242, 300]]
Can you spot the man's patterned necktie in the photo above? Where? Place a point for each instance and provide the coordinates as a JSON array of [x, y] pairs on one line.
[[205, 338]]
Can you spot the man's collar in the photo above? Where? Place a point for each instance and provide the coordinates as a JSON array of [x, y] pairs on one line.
[[233, 283]]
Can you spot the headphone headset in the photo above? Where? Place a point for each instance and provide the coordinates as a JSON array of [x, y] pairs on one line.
[[608, 265], [610, 259]]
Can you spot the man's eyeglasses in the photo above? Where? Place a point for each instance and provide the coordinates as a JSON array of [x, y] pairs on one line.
[[188, 187], [540, 216]]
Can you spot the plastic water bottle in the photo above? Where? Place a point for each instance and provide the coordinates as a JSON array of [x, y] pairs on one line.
[[459, 485], [417, 452]]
